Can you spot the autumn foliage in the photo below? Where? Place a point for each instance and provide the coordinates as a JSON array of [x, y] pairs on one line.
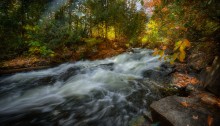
[[175, 24]]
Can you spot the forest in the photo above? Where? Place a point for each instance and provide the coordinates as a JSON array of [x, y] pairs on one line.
[[111, 44], [54, 27]]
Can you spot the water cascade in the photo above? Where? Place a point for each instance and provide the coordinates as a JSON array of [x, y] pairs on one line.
[[105, 92]]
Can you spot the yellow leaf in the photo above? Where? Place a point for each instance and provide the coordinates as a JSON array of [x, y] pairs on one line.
[[155, 52], [52, 55], [169, 32], [164, 28], [174, 56], [182, 56], [172, 62], [161, 53], [177, 45], [165, 58], [127, 45], [182, 47]]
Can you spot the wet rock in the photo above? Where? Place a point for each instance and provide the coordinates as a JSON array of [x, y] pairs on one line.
[[108, 66], [70, 72], [192, 88], [156, 75], [161, 74], [167, 65], [199, 60], [213, 77], [168, 91], [184, 111], [134, 50], [45, 81]]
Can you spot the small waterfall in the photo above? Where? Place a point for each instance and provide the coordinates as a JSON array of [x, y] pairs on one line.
[[102, 92]]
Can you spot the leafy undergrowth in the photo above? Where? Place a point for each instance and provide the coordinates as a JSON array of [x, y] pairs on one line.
[[23, 61], [98, 51]]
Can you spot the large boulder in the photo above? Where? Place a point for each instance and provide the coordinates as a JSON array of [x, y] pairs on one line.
[[184, 111], [212, 78]]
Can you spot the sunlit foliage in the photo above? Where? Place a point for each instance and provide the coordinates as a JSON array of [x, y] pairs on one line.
[[57, 24], [176, 22]]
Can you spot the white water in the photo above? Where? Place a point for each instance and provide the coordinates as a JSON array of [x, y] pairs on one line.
[[96, 88]]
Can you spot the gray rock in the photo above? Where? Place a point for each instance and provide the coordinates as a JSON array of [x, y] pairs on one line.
[[162, 74], [213, 77], [171, 111], [199, 60]]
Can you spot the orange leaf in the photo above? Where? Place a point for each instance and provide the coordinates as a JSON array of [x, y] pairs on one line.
[[164, 9], [210, 120], [187, 43], [182, 56], [185, 104], [164, 47]]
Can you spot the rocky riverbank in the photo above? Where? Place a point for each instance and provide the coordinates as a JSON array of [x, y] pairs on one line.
[[190, 89], [199, 80]]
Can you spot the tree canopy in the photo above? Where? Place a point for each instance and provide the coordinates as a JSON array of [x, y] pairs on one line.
[[41, 27]]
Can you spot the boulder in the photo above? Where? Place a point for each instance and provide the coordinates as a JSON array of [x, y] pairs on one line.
[[184, 111], [212, 79], [198, 61]]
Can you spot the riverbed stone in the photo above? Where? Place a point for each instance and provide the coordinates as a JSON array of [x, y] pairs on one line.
[[184, 111], [161, 74]]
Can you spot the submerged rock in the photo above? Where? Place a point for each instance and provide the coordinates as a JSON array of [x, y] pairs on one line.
[[184, 111]]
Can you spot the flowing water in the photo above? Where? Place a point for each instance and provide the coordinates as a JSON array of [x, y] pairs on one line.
[[109, 92]]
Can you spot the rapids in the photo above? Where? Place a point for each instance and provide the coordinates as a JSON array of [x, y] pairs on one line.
[[108, 92]]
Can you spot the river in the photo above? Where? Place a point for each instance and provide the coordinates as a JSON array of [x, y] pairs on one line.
[[108, 92]]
